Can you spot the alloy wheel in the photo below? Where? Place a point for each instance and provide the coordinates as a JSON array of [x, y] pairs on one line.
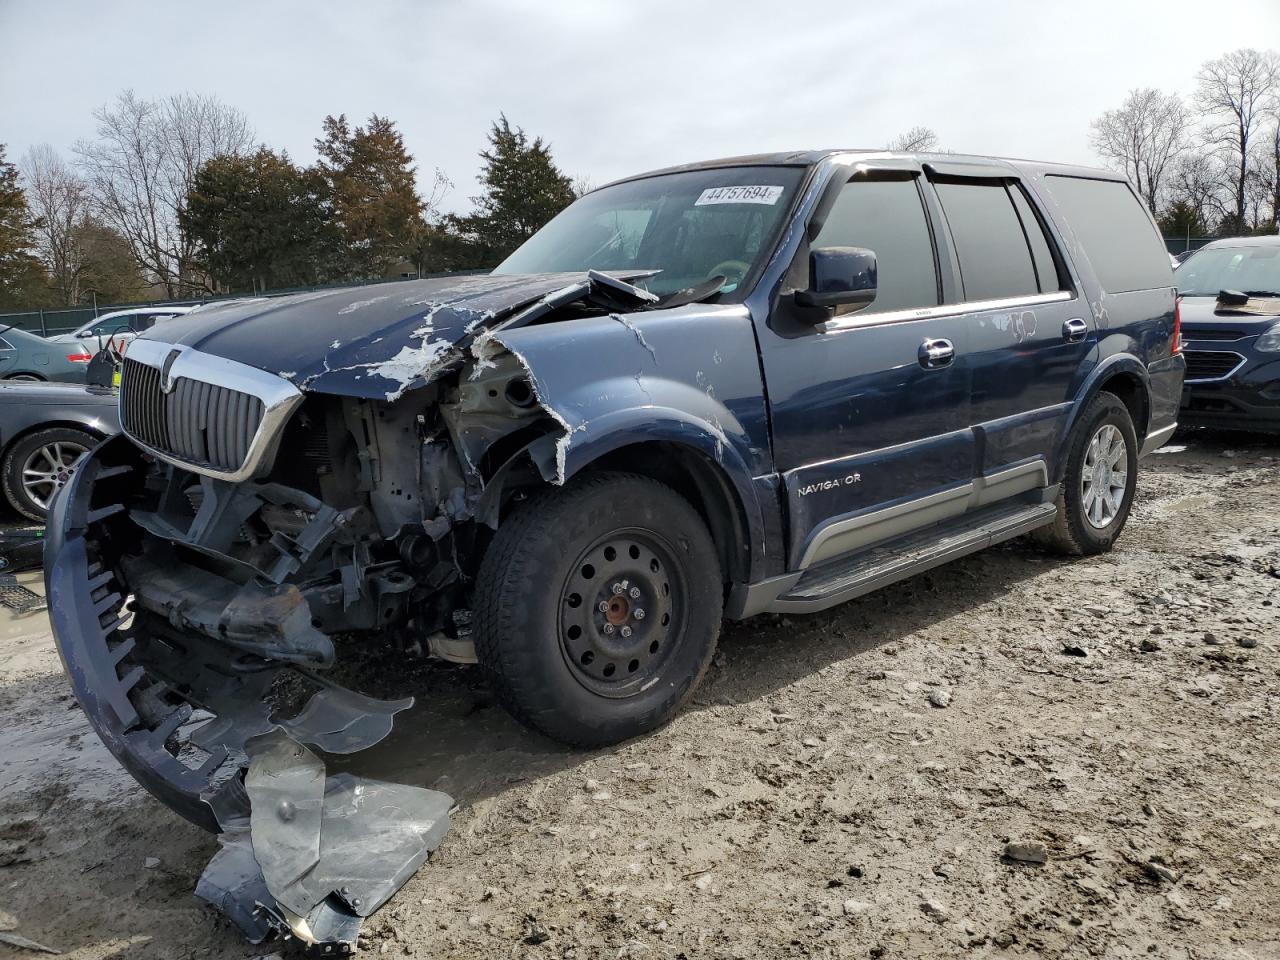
[[1104, 476], [48, 468]]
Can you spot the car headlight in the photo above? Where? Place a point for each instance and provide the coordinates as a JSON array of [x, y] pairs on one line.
[[1269, 342]]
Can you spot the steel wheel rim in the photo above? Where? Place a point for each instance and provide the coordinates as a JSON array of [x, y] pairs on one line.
[[48, 468], [1104, 476], [621, 612]]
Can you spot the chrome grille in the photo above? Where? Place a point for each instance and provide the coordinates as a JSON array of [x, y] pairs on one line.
[[209, 427]]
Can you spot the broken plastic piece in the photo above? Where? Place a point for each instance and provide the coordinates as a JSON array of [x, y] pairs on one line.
[[314, 855]]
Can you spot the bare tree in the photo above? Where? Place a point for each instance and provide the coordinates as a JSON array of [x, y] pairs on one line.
[[1142, 137], [141, 167], [915, 140], [59, 199], [1234, 91], [1196, 181]]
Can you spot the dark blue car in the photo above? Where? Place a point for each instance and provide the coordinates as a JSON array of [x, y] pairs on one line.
[[769, 383], [1231, 331]]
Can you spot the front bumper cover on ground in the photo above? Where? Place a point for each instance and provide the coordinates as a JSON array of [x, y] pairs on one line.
[[193, 725]]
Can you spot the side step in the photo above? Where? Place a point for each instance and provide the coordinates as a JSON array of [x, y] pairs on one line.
[[848, 577]]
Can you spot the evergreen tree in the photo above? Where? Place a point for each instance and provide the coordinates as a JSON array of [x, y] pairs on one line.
[[260, 222], [23, 281], [523, 189], [372, 188]]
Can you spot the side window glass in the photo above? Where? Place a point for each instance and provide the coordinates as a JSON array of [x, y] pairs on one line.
[[995, 261], [887, 217], [1046, 267], [5, 345]]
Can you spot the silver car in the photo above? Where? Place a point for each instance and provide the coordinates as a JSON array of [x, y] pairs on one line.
[[118, 327]]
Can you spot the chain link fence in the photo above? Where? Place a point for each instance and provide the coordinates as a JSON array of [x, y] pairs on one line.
[[49, 322]]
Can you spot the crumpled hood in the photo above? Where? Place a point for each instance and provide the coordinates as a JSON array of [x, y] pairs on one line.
[[373, 341]]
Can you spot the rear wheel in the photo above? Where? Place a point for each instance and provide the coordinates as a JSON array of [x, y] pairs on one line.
[[1100, 479], [38, 465], [598, 607]]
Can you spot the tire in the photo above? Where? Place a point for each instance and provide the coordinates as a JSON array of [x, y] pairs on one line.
[[556, 660], [1088, 524], [25, 378], [64, 444]]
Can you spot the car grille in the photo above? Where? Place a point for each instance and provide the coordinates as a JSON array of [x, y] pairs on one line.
[[199, 423], [1210, 364], [1214, 333]]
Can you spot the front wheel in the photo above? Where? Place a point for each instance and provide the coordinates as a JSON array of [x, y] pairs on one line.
[[1099, 483], [597, 608]]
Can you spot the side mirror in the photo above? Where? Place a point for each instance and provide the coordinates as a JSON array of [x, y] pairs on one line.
[[839, 275]]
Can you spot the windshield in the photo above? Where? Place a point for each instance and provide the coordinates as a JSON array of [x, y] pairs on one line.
[[691, 226], [1251, 270]]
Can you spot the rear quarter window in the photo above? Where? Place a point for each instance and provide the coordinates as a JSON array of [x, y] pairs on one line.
[[1117, 235]]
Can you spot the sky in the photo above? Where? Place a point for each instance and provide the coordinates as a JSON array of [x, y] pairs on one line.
[[619, 88]]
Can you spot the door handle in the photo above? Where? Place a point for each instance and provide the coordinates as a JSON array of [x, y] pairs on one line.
[[937, 353], [1074, 330]]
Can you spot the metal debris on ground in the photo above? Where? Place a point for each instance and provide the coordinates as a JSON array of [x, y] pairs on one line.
[[18, 598], [309, 856]]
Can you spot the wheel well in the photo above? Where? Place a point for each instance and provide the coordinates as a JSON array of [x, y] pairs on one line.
[[25, 375], [1133, 394], [696, 478]]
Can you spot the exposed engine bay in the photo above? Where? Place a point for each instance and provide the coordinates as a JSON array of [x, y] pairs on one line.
[[202, 573]]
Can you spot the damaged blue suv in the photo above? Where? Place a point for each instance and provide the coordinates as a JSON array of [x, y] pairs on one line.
[[768, 383]]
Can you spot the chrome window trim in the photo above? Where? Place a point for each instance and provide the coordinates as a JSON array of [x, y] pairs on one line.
[[279, 399], [1230, 373], [854, 321]]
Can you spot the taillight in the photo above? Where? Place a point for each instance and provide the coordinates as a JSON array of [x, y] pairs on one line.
[[79, 357], [1177, 325]]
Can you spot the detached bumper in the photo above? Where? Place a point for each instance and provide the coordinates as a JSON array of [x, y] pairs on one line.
[[86, 607]]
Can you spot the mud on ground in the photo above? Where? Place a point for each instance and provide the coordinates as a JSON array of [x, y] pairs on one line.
[[814, 801]]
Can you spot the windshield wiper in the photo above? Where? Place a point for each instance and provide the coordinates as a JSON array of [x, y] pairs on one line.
[[699, 294]]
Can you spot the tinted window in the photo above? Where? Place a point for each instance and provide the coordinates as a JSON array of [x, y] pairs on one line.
[[887, 217], [1041, 255], [5, 344], [995, 261], [1117, 235]]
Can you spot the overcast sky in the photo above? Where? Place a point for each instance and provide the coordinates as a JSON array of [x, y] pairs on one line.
[[620, 88]]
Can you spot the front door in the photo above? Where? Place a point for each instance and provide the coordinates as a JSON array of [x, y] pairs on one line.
[[870, 409]]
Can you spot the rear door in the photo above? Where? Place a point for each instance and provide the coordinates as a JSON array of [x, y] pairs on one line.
[[1029, 332], [870, 409]]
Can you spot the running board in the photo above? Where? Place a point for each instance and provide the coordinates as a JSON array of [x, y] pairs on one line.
[[846, 578]]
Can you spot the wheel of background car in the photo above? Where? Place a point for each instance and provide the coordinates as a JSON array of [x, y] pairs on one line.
[[36, 466], [24, 378], [729, 269], [1101, 475], [597, 608]]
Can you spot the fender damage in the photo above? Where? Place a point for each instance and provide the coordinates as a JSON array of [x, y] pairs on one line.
[[197, 616]]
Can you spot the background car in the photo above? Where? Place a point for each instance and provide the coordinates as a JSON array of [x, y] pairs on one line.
[[44, 427], [1231, 334], [119, 326], [26, 356]]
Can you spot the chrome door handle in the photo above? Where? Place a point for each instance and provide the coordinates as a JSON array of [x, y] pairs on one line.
[[936, 353], [1074, 330]]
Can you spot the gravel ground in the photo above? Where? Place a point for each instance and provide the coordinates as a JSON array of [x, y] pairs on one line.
[[858, 783]]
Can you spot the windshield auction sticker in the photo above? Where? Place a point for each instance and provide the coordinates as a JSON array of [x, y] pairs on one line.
[[766, 195]]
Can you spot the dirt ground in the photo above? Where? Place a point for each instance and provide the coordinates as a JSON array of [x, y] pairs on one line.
[[814, 801]]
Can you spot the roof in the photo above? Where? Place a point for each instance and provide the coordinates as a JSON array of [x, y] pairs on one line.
[[806, 158]]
